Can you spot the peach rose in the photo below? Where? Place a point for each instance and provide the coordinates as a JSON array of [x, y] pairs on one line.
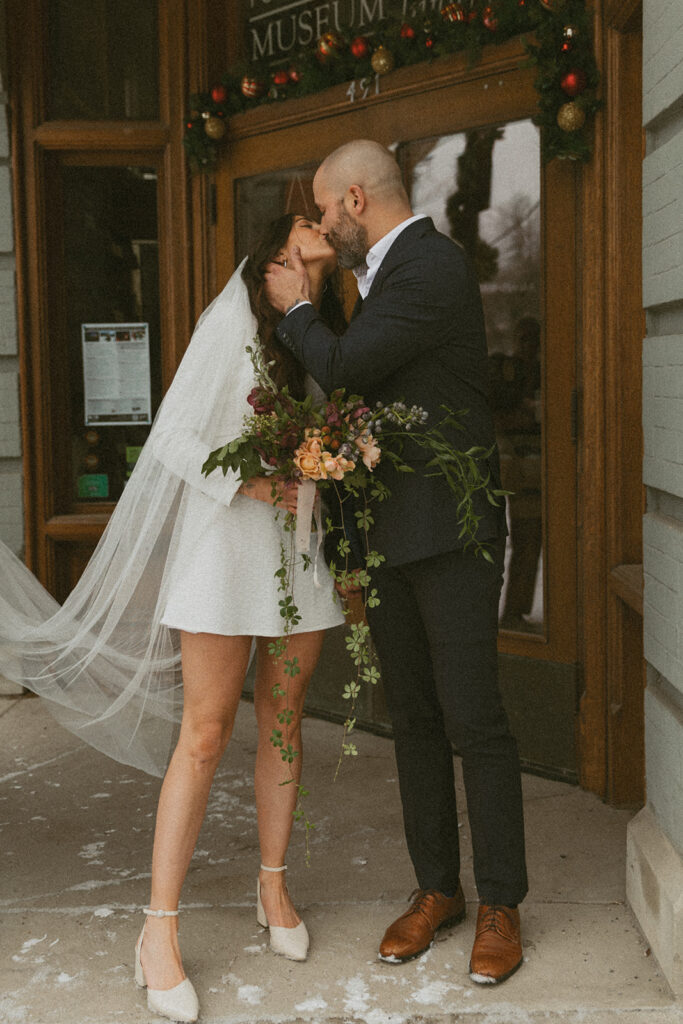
[[369, 449], [309, 459], [336, 465]]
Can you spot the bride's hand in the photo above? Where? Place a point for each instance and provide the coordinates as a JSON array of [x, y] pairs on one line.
[[273, 490], [287, 284]]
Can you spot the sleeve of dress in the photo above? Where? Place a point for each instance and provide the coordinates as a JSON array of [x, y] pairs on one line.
[[184, 453]]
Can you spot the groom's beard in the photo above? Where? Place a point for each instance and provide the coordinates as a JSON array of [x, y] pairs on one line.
[[349, 240]]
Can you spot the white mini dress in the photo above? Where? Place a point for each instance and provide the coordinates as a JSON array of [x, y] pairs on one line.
[[224, 573]]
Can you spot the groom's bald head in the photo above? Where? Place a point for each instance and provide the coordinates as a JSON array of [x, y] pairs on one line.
[[360, 195], [364, 163]]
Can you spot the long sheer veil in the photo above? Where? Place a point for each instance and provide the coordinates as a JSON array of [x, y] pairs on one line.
[[104, 662]]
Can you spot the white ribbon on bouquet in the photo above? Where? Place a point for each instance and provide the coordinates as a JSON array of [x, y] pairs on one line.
[[308, 511]]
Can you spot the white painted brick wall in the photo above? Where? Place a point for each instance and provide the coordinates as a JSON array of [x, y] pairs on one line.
[[663, 596], [6, 230], [4, 135], [8, 315], [664, 764], [663, 223], [11, 507], [663, 410], [662, 56], [663, 413], [10, 434], [11, 497]]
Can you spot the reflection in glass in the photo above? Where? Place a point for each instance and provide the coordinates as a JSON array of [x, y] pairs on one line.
[[482, 187], [103, 59], [111, 273], [263, 197]]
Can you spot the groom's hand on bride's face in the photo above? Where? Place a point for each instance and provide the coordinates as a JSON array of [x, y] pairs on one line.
[[287, 284]]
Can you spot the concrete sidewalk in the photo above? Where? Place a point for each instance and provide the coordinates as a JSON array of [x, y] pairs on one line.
[[76, 844]]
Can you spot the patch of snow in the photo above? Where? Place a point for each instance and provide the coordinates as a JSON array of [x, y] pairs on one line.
[[433, 993], [311, 1005], [356, 994], [251, 994]]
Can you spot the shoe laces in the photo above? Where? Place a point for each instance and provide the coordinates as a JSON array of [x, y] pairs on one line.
[[494, 918], [422, 897]]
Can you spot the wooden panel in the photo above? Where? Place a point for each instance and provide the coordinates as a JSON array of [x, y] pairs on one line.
[[494, 92], [610, 488], [623, 15], [108, 135], [591, 497], [39, 148], [419, 80], [626, 581]]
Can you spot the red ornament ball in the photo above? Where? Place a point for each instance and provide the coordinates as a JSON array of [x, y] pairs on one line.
[[488, 16], [453, 13], [252, 88], [294, 74], [281, 77], [407, 31], [360, 47], [429, 42], [219, 94], [574, 82]]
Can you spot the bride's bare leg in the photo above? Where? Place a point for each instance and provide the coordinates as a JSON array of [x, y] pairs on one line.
[[213, 675], [275, 803]]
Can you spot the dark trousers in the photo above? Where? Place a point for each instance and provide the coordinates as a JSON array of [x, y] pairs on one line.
[[435, 632]]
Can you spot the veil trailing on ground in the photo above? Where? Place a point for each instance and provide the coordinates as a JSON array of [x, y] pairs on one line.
[[107, 666]]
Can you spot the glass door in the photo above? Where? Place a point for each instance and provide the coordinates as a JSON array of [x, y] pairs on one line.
[[471, 160]]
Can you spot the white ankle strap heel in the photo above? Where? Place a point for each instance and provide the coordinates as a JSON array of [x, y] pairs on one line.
[[179, 1003], [290, 942]]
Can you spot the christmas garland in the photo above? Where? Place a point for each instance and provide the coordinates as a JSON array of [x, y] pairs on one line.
[[560, 45]]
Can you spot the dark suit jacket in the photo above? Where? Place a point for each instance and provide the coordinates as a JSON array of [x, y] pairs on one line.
[[418, 337]]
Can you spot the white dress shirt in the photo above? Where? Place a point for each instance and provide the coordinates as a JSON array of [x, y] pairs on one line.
[[365, 274]]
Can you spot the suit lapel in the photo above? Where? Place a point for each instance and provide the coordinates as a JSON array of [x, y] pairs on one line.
[[397, 251]]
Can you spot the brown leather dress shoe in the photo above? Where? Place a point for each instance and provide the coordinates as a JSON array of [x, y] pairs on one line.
[[413, 932], [497, 950]]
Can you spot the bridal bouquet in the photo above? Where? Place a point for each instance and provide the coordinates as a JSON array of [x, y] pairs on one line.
[[334, 447]]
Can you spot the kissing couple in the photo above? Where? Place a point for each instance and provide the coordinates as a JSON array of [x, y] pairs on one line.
[[161, 626]]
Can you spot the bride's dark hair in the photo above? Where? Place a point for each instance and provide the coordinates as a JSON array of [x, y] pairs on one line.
[[287, 370]]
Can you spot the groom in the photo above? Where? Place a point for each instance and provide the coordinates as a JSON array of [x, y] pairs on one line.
[[417, 334]]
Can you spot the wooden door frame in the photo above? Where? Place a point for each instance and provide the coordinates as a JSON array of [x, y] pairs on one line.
[[611, 494], [35, 140], [455, 94]]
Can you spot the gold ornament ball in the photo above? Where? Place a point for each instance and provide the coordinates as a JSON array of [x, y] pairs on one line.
[[329, 43], [214, 128], [570, 117], [382, 61]]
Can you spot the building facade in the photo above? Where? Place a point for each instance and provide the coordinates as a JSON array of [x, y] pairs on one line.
[[11, 502], [564, 286], [655, 850]]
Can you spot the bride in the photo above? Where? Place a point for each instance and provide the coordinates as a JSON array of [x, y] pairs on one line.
[[181, 587]]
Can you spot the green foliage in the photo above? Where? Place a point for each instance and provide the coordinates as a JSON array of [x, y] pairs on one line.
[[543, 32]]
